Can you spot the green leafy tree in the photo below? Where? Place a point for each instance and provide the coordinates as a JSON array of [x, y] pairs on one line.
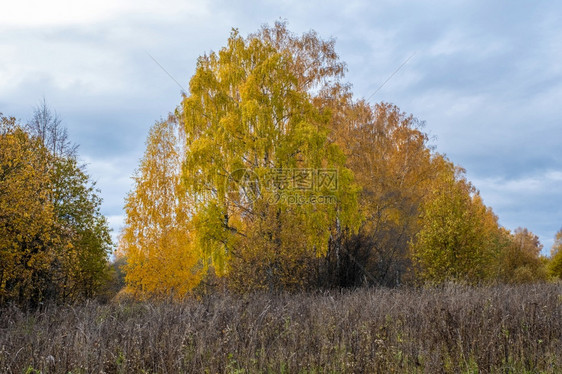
[[83, 230]]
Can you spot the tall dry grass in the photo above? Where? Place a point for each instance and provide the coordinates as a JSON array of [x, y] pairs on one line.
[[452, 329]]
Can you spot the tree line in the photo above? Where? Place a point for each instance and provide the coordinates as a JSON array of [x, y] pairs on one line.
[[270, 176], [222, 197]]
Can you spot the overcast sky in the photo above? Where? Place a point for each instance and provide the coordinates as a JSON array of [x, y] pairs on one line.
[[485, 76]]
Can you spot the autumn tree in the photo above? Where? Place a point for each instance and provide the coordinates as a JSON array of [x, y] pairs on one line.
[[389, 155], [27, 227], [458, 235], [55, 239], [84, 239], [249, 109], [84, 235], [157, 239], [520, 257]]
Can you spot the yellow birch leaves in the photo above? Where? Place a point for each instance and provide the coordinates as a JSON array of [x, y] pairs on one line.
[[157, 238]]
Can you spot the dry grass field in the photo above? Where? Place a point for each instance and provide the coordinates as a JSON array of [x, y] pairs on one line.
[[450, 329]]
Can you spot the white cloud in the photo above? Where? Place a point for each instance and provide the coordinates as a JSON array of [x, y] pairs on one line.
[[116, 224], [554, 175], [39, 13], [530, 201], [71, 66], [113, 178], [459, 42], [504, 191]]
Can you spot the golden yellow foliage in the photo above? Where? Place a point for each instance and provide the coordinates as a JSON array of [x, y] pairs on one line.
[[161, 259], [249, 113], [26, 216], [53, 239], [389, 155]]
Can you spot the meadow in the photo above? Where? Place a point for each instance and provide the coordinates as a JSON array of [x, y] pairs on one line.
[[446, 329]]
